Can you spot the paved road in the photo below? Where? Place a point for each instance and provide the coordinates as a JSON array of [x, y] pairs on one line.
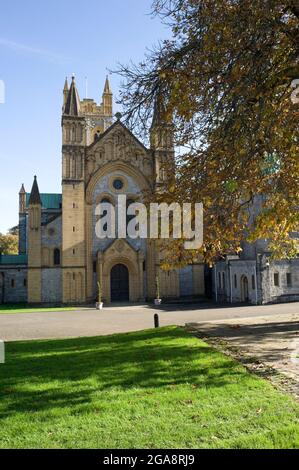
[[90, 322]]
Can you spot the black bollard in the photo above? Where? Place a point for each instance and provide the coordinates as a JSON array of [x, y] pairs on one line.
[[156, 318]]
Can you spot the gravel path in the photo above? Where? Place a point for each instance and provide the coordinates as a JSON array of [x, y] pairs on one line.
[[269, 345]]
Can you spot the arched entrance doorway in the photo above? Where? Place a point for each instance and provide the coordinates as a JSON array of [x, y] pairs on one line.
[[119, 283], [244, 289]]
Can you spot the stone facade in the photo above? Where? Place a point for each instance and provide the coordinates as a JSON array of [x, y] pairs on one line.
[[51, 285], [280, 280], [253, 276], [13, 284], [256, 281], [61, 260], [66, 260]]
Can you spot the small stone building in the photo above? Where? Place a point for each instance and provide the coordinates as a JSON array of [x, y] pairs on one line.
[[255, 278]]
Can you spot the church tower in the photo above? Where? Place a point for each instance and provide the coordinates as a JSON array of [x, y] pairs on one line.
[[162, 143], [73, 199], [34, 245], [162, 147]]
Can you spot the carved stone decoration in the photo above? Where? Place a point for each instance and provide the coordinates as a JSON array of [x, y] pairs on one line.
[[119, 145], [120, 246]]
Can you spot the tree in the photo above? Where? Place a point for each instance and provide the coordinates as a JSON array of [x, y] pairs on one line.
[[225, 79], [9, 244], [14, 230]]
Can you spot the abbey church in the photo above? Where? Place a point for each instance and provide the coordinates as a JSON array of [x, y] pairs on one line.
[[60, 257]]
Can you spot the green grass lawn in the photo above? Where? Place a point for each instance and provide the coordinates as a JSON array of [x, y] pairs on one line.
[[21, 308], [152, 389]]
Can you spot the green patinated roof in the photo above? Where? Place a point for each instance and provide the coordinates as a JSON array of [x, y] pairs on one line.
[[13, 259], [49, 201]]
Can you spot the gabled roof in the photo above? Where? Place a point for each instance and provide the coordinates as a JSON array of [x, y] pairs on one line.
[[48, 201], [122, 243], [115, 124]]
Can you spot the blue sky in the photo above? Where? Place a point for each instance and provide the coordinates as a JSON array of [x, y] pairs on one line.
[[40, 44]]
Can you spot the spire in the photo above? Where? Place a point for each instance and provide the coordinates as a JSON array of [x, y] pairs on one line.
[[65, 93], [107, 88], [66, 85], [72, 105], [22, 200], [107, 99], [22, 190], [34, 195]]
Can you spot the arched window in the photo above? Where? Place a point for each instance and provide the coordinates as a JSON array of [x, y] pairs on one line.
[[97, 136], [223, 280], [56, 257]]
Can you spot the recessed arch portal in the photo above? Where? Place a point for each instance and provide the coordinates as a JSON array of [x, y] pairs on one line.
[[244, 289], [119, 283]]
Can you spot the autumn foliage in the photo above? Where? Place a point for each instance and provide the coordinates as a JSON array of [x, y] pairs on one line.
[[225, 77], [9, 244]]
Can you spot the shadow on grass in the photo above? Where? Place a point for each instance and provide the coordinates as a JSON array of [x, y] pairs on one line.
[[47, 374]]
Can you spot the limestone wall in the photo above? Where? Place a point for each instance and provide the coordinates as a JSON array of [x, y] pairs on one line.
[[186, 281], [282, 292], [51, 285], [13, 285]]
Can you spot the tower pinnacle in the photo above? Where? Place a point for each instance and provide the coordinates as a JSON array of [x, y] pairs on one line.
[[22, 200], [65, 92], [34, 195], [107, 98], [72, 105], [107, 88]]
